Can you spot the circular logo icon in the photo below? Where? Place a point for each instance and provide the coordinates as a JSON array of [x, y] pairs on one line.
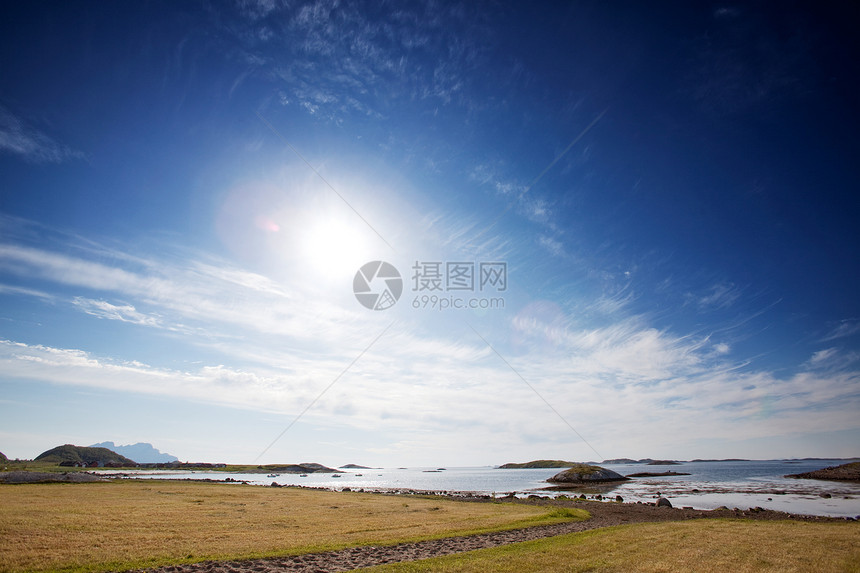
[[377, 285]]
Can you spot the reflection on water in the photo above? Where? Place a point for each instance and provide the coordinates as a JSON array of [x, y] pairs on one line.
[[710, 484]]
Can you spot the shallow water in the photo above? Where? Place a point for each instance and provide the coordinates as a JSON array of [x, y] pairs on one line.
[[732, 484]]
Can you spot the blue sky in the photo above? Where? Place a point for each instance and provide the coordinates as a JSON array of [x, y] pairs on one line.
[[188, 190]]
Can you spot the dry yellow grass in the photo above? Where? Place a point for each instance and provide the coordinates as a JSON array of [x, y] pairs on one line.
[[117, 525], [707, 546]]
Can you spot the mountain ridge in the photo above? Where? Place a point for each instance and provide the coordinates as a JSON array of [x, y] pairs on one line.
[[141, 452]]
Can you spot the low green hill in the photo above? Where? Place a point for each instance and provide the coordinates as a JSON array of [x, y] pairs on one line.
[[3, 457], [538, 464], [82, 455]]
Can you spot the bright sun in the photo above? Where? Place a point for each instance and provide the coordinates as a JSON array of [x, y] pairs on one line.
[[334, 245]]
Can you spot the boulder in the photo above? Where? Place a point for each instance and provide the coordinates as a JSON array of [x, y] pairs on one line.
[[663, 502], [583, 473]]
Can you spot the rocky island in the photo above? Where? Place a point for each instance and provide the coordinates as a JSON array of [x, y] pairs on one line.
[[656, 474], [845, 472], [586, 474], [537, 464]]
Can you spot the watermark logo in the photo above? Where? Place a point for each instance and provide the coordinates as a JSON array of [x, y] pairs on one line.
[[437, 285], [459, 276], [377, 285]]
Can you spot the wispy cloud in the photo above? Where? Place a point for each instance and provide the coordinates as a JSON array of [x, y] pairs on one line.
[[31, 144], [24, 291], [256, 9], [421, 382], [122, 312], [719, 296], [552, 245], [832, 359], [345, 65], [845, 328]]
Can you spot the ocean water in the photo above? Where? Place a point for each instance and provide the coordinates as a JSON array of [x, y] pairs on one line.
[[710, 485]]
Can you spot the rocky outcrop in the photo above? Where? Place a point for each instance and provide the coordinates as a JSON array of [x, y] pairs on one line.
[[845, 472], [585, 474]]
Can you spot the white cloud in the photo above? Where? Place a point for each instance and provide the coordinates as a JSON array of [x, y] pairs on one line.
[[614, 303], [423, 382], [213, 384], [122, 312], [552, 245], [822, 356], [832, 359], [722, 348], [15, 290], [344, 65], [845, 328], [256, 9], [719, 296], [31, 144]]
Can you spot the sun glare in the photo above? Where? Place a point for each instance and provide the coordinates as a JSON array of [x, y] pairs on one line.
[[334, 246]]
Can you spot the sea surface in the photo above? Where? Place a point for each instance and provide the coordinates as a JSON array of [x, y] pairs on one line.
[[741, 484]]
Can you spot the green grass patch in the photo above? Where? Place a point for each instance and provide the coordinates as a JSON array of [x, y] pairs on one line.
[[697, 545]]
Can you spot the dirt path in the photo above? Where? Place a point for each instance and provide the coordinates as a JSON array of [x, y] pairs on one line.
[[602, 515]]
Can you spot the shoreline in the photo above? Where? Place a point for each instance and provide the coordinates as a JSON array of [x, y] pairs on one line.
[[681, 496]]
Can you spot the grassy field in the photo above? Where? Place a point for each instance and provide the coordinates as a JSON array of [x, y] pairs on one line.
[[700, 545], [127, 524]]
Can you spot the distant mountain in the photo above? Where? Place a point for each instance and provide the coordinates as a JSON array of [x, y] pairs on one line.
[[3, 458], [538, 464], [140, 452], [69, 454], [355, 467]]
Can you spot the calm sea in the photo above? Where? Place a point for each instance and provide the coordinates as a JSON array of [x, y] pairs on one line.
[[710, 484]]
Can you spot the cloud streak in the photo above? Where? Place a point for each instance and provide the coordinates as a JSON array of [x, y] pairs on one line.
[[18, 138]]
